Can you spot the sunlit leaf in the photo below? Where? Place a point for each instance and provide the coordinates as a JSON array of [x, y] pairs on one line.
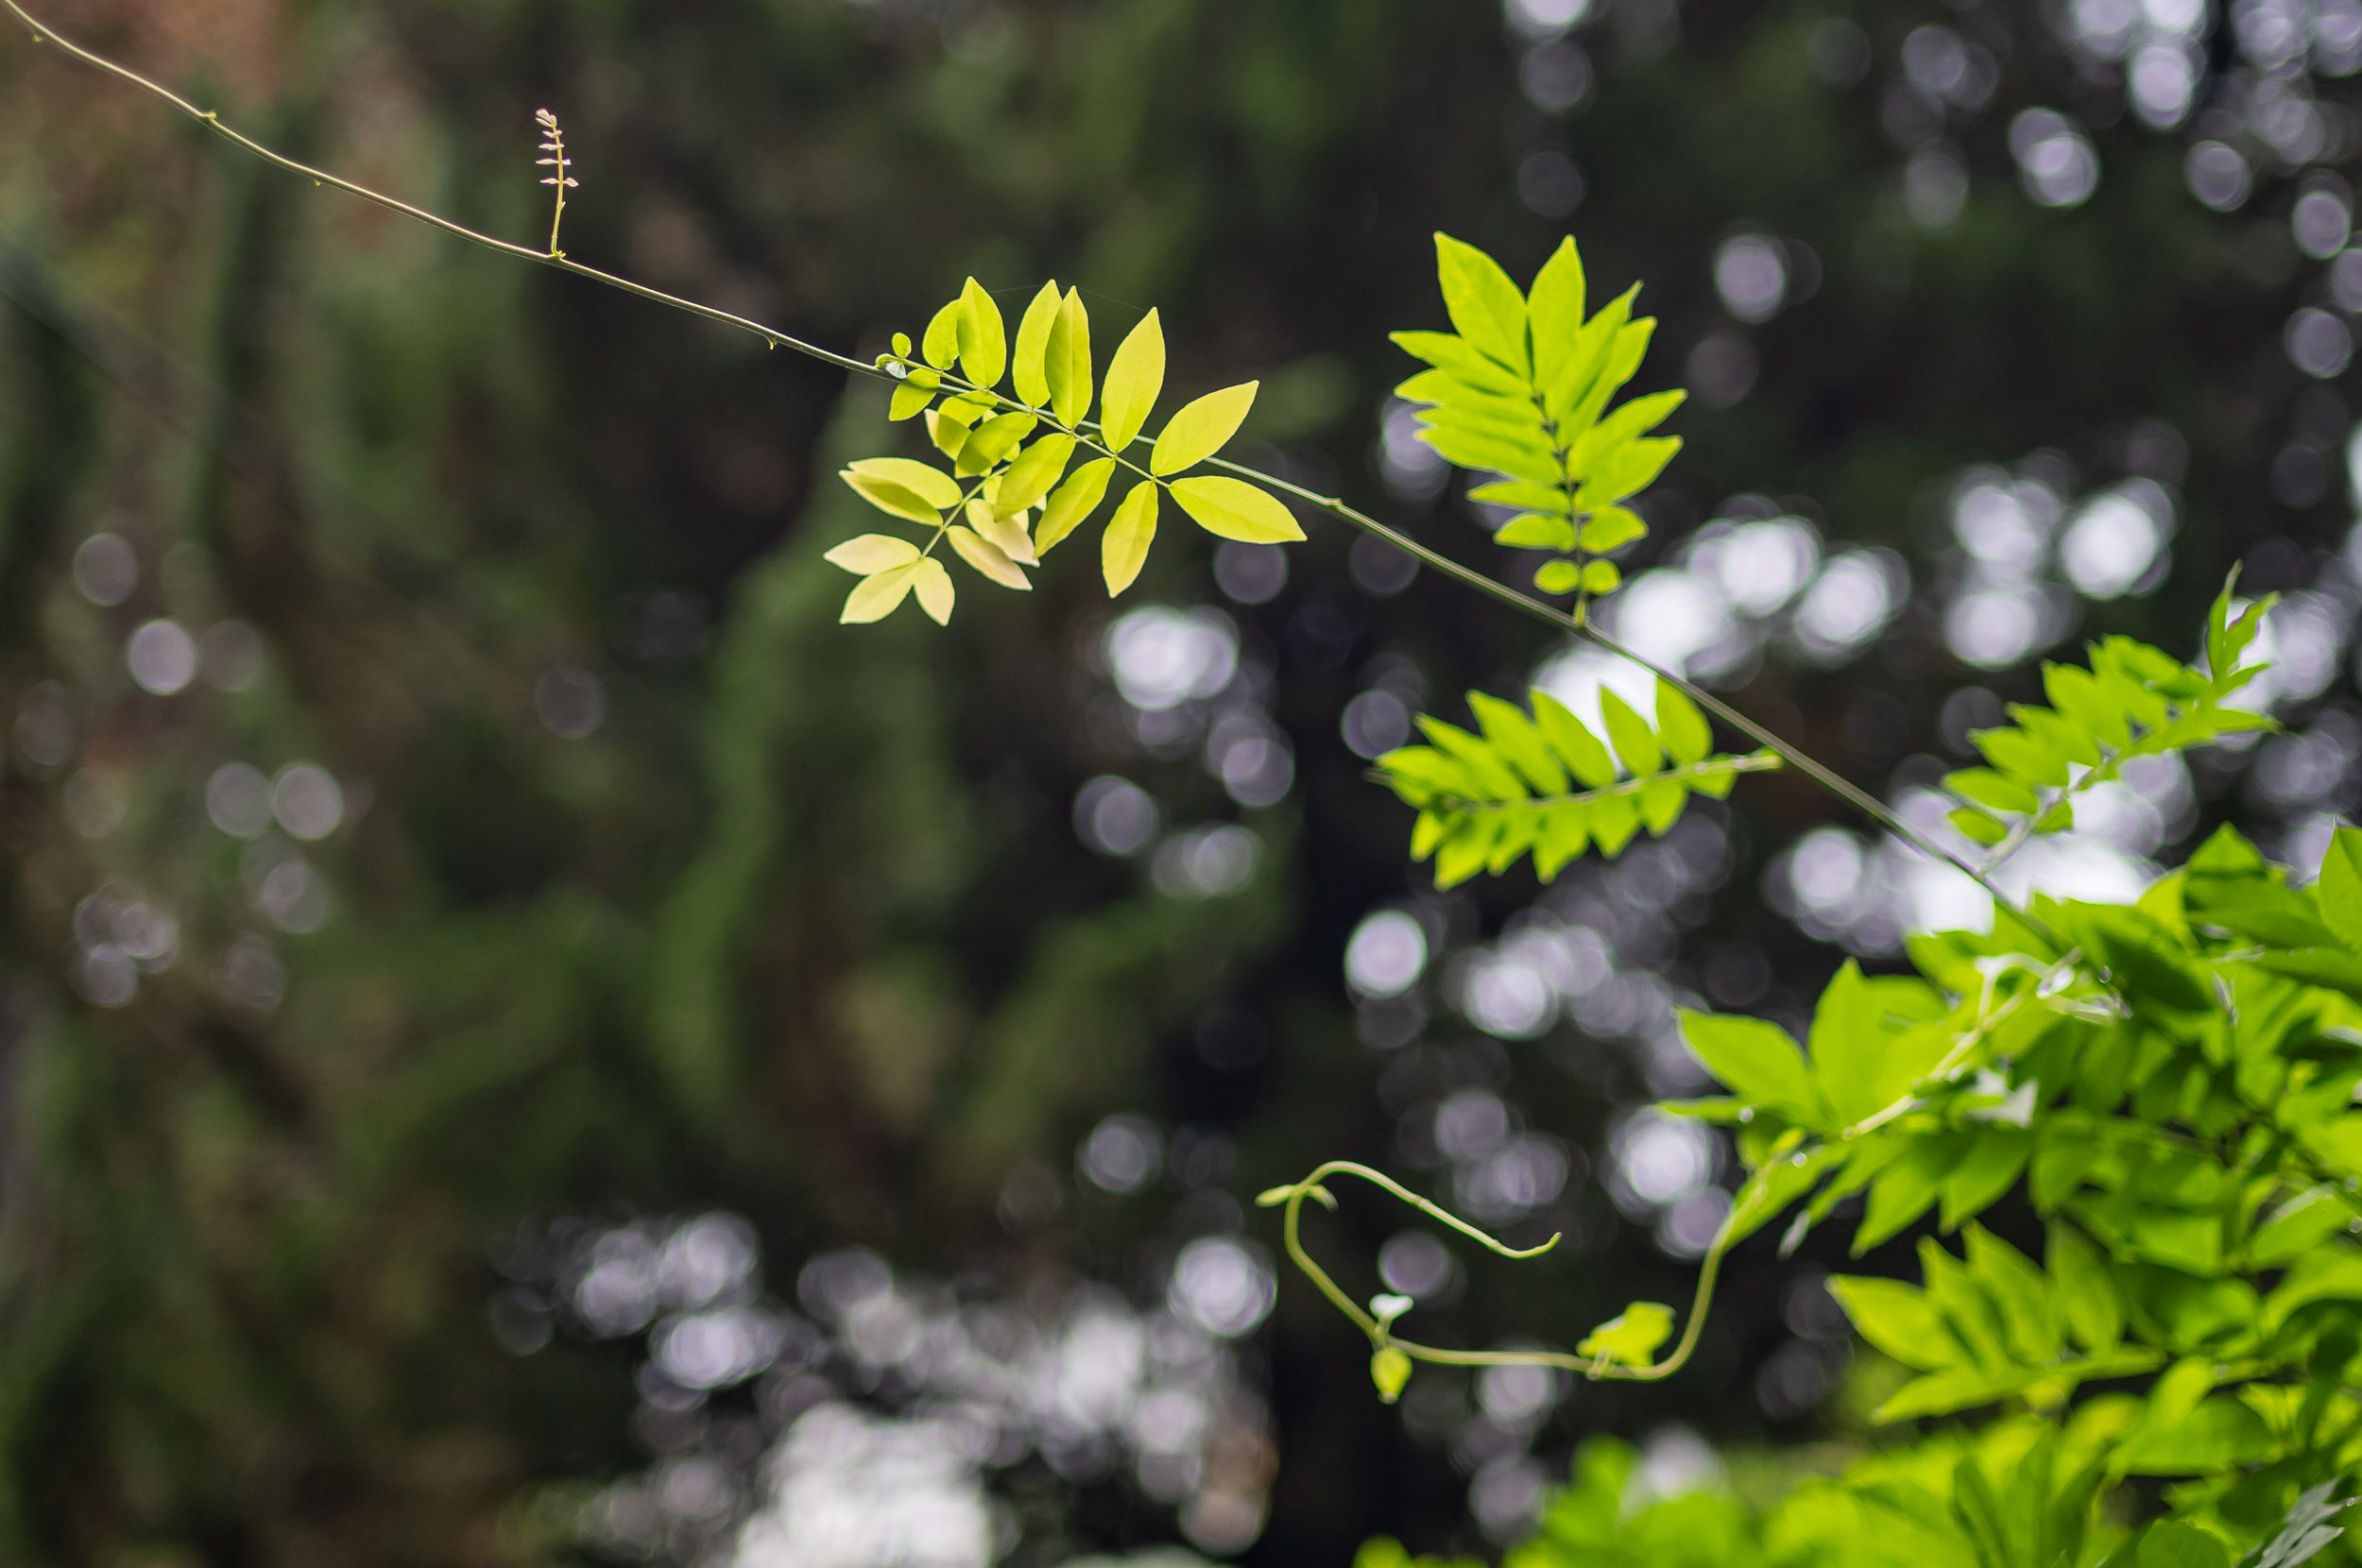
[[2339, 888], [935, 591], [941, 342], [1536, 531], [1485, 305], [1631, 1337], [1201, 428], [1133, 378], [1555, 310], [1071, 501], [1130, 532], [1630, 734], [983, 347], [987, 557], [872, 552], [1035, 471], [1068, 360], [1237, 510], [929, 483], [876, 597], [994, 440], [1612, 529], [894, 497], [1006, 532], [1684, 729], [1028, 371]]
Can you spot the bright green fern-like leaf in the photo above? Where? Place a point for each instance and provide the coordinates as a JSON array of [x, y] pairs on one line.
[[2132, 702], [1545, 784], [1522, 389]]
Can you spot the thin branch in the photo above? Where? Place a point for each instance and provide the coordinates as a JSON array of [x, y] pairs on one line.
[[1860, 799]]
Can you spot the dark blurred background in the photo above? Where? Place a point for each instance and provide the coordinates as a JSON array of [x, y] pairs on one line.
[[524, 1042]]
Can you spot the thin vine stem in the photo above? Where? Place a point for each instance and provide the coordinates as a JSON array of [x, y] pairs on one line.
[[1580, 625], [1292, 1197]]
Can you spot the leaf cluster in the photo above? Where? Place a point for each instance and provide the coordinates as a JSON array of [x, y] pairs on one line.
[[1521, 389], [1013, 490], [1545, 784], [2133, 702]]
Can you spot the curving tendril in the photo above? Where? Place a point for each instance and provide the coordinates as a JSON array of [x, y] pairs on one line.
[[1382, 1341]]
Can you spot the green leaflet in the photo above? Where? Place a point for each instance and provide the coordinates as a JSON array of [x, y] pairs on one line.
[[987, 557], [1537, 531], [940, 344], [1522, 388], [1555, 310], [871, 554], [1031, 475], [1758, 1061], [991, 442], [1067, 360], [1129, 534], [1134, 377], [1200, 428], [1072, 501], [1546, 786], [1235, 509], [2340, 890], [1030, 372], [1612, 529], [2133, 701], [1483, 304], [877, 596], [1542, 498], [1631, 1337], [933, 585], [903, 487], [1558, 577], [983, 346]]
